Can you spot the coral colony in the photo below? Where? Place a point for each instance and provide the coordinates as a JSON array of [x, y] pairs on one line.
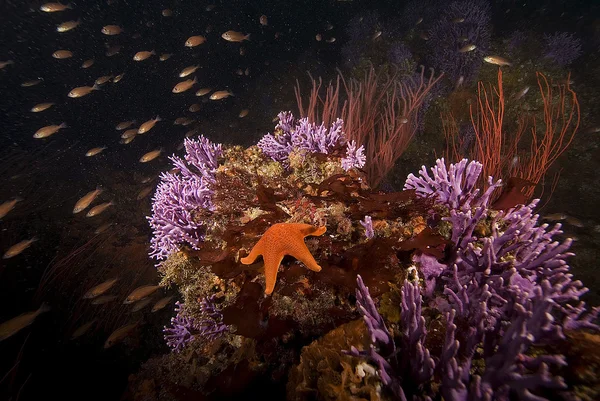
[[447, 37], [500, 294], [562, 48], [487, 294], [180, 195]]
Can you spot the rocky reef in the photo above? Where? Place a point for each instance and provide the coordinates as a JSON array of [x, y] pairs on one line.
[[424, 294]]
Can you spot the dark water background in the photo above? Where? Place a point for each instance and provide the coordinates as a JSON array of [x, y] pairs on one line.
[[51, 174]]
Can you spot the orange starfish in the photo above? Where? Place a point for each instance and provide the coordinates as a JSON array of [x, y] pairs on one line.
[[283, 239]]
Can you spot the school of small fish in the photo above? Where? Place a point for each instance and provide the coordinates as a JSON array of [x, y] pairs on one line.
[[193, 85]]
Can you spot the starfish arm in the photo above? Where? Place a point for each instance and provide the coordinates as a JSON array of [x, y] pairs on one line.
[[271, 267], [312, 230], [304, 256], [256, 251]]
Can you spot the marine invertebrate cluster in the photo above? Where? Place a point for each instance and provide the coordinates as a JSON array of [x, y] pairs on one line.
[[180, 196], [185, 327], [303, 136], [461, 23], [561, 48], [501, 291], [471, 297]]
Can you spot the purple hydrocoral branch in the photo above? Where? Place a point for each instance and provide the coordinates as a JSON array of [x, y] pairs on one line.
[[185, 328], [291, 134], [453, 186], [211, 324], [355, 157], [368, 225], [505, 290], [421, 364], [180, 333], [382, 341], [181, 195]]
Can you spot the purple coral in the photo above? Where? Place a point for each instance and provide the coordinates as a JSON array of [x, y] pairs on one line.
[[461, 23], [562, 48], [506, 292], [181, 195], [515, 41], [185, 328], [368, 225], [399, 53], [454, 187], [180, 333], [291, 134], [355, 157], [407, 370], [211, 323]]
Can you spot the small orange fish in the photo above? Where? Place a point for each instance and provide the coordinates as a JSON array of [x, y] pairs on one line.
[[8, 206], [100, 288], [143, 55], [111, 30], [18, 248], [62, 54], [233, 36], [67, 26], [184, 85], [119, 334], [188, 70], [94, 151], [140, 292], [497, 60], [218, 95], [96, 210], [18, 323], [150, 156], [45, 132], [194, 41], [41, 107], [148, 125], [125, 124], [87, 63], [203, 91], [103, 79], [161, 303], [54, 7], [83, 91], [86, 200], [467, 48]]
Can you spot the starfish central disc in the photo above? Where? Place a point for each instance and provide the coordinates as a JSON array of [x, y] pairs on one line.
[[283, 239]]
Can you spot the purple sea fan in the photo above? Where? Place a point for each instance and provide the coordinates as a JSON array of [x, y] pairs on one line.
[[180, 196], [461, 23], [399, 53], [562, 48]]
